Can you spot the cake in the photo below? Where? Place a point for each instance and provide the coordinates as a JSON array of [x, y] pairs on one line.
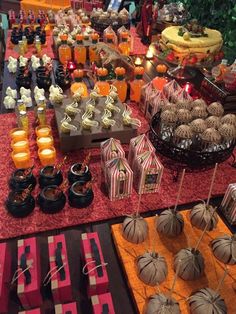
[[135, 229], [162, 304], [224, 249], [192, 39]]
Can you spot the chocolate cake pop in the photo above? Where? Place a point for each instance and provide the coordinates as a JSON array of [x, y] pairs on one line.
[[210, 137], [199, 112], [190, 264], [135, 228], [199, 103], [224, 249], [201, 215], [184, 115], [152, 268], [170, 223], [168, 117], [207, 301], [229, 118], [215, 109], [162, 304], [198, 126], [213, 122], [227, 131]]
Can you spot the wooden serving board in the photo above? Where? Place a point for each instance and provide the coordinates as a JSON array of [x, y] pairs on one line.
[[168, 248]]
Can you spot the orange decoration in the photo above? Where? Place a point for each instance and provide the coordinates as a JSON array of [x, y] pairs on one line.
[[161, 68], [109, 35], [124, 34], [120, 71], [139, 70], [94, 36], [102, 72], [79, 37], [78, 73], [63, 37]]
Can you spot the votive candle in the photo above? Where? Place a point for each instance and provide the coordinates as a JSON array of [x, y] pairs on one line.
[[45, 142], [47, 156], [43, 130], [22, 159], [20, 146], [18, 134]]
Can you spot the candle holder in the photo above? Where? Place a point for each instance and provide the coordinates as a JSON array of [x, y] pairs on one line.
[[51, 199], [76, 174], [18, 134], [19, 207], [44, 142], [22, 179], [138, 61], [22, 159], [47, 156], [80, 194], [43, 131], [20, 146], [50, 175]]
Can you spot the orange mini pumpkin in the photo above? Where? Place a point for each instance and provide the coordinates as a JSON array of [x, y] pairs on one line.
[[79, 37], [124, 34], [109, 35], [94, 36], [102, 72], [161, 68], [139, 70], [78, 73], [120, 71], [64, 37]]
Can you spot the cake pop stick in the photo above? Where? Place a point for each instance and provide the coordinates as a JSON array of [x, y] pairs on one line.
[[205, 229], [222, 280], [175, 278], [139, 202], [211, 186], [179, 191]]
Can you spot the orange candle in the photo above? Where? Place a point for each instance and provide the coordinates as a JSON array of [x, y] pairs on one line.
[[20, 146], [43, 130], [18, 134], [44, 142], [22, 159], [47, 156]]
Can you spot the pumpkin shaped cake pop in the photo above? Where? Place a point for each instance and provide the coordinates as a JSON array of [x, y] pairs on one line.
[[224, 248], [170, 223], [162, 304], [135, 228], [152, 268], [201, 215]]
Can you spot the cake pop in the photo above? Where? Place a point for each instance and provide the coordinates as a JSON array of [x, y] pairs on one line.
[[183, 136], [184, 115], [199, 112], [162, 304], [135, 228], [229, 118], [198, 126], [224, 248], [215, 109], [199, 103], [213, 122], [228, 132]]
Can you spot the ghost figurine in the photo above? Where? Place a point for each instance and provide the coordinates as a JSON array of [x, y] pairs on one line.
[[39, 91], [27, 101], [11, 92], [56, 94], [25, 92], [9, 102], [12, 65], [35, 64], [23, 61], [46, 60]]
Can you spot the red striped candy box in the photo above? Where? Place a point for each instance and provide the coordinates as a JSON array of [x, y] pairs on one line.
[[110, 149], [147, 173], [102, 304], [94, 265], [59, 269], [29, 273], [138, 145], [35, 311], [228, 204], [69, 308], [5, 276], [118, 179]]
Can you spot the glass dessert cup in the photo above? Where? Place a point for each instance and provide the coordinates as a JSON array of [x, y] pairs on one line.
[[51, 199], [50, 176], [79, 197], [17, 207], [75, 174], [21, 179]]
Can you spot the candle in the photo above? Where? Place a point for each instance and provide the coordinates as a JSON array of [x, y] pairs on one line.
[[18, 134], [138, 61], [44, 142], [43, 130], [20, 146], [22, 159], [47, 156], [149, 55]]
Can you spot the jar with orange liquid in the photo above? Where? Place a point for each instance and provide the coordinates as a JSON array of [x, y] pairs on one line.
[[160, 81], [64, 50], [79, 50], [137, 84], [124, 45], [120, 83], [79, 85], [101, 84], [93, 56]]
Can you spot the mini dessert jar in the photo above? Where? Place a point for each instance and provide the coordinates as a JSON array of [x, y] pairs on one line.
[[79, 196], [19, 207], [75, 173], [51, 199], [50, 176], [21, 179]]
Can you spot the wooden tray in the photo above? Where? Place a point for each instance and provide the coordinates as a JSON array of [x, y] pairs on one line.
[[168, 248]]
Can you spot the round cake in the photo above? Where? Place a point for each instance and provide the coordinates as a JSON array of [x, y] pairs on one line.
[[191, 40]]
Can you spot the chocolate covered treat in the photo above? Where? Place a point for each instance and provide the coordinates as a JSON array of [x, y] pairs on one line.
[[224, 249], [135, 229], [170, 223], [202, 215], [162, 304]]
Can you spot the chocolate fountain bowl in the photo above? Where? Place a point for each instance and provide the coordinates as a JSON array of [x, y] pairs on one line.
[[19, 208], [77, 198], [49, 202], [20, 182], [75, 175], [48, 177]]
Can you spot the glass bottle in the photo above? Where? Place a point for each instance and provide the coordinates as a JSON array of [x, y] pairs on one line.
[[120, 83], [79, 85], [137, 84], [42, 102], [64, 50], [41, 113], [101, 84], [23, 120], [93, 56], [20, 106], [80, 50], [124, 45], [38, 47], [21, 48], [24, 39]]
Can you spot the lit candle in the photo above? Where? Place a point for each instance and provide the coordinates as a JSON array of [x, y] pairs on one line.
[[18, 134], [138, 61], [20, 146], [47, 156], [43, 130], [149, 55], [71, 66], [44, 142], [22, 159]]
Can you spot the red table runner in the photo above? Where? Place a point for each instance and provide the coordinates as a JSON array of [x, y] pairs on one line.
[[195, 186]]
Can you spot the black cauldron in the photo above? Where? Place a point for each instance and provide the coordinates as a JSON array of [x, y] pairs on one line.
[[48, 177], [17, 207], [21, 180], [51, 200], [77, 197], [23, 81], [63, 80], [43, 80], [75, 175]]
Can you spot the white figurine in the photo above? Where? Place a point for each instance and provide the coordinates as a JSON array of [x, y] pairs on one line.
[[39, 91], [11, 92], [25, 91], [27, 101], [12, 65], [46, 60], [23, 61], [9, 102]]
